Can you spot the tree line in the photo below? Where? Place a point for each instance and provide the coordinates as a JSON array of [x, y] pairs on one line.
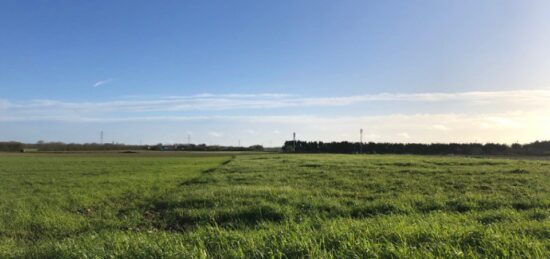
[[535, 148], [12, 146], [203, 147]]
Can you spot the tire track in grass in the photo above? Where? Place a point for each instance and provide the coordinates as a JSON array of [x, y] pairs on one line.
[[158, 210], [198, 179]]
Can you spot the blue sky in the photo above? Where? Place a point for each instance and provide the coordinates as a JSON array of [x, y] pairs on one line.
[[150, 71]]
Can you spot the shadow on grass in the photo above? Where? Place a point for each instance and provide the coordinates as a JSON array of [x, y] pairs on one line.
[[180, 218]]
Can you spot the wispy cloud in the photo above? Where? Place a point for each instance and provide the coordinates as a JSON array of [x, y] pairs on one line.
[[4, 105], [102, 82], [215, 134], [440, 127], [210, 102], [404, 135]]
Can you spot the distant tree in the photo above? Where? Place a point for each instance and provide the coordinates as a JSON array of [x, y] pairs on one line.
[[256, 148], [536, 148]]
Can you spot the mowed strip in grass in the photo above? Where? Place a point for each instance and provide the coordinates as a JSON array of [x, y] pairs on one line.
[[273, 205]]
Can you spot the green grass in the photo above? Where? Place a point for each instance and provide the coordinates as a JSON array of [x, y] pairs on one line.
[[187, 205]]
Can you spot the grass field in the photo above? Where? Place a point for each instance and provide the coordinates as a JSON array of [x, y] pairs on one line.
[[177, 205]]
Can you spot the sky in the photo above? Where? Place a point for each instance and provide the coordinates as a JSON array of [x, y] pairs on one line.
[[222, 72]]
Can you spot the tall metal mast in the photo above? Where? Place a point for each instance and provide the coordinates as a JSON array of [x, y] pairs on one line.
[[361, 141], [294, 139]]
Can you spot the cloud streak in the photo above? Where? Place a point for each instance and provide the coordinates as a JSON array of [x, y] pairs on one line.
[[212, 102], [102, 82]]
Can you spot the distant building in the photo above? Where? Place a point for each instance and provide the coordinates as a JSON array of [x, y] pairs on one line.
[[29, 150], [168, 148]]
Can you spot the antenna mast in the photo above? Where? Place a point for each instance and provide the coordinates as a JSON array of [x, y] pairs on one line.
[[361, 141], [294, 139], [101, 137]]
